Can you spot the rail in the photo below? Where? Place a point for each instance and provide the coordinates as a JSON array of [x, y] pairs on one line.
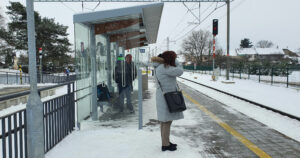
[[59, 121]]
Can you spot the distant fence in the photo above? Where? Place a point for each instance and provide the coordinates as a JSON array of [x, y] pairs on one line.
[[18, 78], [289, 76], [59, 121]]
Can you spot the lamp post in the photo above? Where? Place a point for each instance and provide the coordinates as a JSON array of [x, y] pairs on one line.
[[34, 107]]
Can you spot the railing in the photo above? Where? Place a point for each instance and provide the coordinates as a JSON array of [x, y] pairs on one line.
[[23, 78], [59, 121], [289, 76]]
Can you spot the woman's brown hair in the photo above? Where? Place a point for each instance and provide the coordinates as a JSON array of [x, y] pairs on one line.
[[169, 58]]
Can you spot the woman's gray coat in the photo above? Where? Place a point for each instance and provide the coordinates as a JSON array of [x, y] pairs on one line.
[[167, 78]]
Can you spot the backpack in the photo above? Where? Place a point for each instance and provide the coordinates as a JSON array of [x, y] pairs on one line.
[[103, 92]]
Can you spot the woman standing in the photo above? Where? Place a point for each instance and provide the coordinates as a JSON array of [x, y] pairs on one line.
[[166, 70]]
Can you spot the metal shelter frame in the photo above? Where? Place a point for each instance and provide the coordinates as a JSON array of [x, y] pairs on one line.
[[34, 106]]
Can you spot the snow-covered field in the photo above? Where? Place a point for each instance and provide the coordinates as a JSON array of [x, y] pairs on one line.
[[293, 78], [280, 98]]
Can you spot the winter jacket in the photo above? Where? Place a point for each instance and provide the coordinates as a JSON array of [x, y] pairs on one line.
[[124, 77], [167, 78]]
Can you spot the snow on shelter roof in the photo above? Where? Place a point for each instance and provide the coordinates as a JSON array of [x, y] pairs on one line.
[[260, 51], [149, 16]]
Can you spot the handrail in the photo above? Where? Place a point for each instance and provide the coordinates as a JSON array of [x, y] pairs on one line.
[[15, 95]]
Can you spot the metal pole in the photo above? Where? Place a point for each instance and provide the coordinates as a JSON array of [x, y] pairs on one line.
[[214, 56], [34, 107], [287, 77], [41, 67], [228, 39], [140, 96], [7, 77], [93, 74], [168, 43], [109, 67]]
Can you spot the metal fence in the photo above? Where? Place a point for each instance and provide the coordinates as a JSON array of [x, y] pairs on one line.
[[18, 78], [289, 76], [59, 121]]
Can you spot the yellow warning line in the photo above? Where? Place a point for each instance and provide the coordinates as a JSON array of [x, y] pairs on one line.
[[230, 130]]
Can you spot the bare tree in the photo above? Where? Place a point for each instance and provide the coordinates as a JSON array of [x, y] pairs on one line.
[[264, 44], [198, 44]]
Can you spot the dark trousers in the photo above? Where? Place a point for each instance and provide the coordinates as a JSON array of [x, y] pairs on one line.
[[125, 92]]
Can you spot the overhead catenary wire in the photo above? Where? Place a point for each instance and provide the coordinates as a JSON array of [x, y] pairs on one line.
[[68, 7], [216, 8], [96, 6], [190, 23]]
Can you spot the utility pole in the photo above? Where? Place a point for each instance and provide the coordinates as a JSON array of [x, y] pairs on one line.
[[168, 43], [228, 39], [34, 107], [41, 66]]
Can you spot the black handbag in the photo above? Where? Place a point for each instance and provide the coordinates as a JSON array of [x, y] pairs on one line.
[[175, 100]]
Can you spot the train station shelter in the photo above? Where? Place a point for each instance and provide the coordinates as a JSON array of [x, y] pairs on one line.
[[101, 38]]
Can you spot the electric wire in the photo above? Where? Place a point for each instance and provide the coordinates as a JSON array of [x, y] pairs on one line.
[[68, 7], [217, 7], [96, 6]]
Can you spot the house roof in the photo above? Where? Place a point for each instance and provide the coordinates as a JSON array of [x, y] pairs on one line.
[[259, 51]]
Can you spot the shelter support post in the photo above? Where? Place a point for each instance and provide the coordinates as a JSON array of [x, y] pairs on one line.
[[93, 74], [34, 107], [109, 67], [140, 97]]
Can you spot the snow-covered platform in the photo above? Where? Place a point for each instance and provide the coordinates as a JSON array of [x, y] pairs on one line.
[[210, 129]]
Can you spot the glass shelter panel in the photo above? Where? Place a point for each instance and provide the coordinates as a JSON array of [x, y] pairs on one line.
[[83, 62]]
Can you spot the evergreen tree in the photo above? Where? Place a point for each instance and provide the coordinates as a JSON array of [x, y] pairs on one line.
[[6, 52], [245, 43], [50, 36]]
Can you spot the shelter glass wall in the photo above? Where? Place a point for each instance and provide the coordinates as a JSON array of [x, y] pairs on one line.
[[101, 59], [83, 71]]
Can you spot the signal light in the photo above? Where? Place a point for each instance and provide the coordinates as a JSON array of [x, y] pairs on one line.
[[215, 27]]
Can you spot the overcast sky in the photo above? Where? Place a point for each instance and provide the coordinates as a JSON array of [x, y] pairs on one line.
[[275, 20]]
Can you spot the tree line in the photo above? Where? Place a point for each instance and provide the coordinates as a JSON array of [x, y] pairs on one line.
[[50, 36], [197, 49]]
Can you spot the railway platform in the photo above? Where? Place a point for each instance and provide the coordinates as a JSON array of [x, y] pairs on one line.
[[209, 129]]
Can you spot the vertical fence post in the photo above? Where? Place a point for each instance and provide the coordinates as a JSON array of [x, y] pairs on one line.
[[7, 77], [17, 78], [287, 77], [259, 74], [240, 72], [249, 72], [272, 70]]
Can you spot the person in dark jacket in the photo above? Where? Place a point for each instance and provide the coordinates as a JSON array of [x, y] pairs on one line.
[[167, 69], [125, 75]]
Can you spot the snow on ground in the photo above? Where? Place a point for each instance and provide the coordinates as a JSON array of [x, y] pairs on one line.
[[59, 92], [9, 70], [118, 143], [25, 85], [280, 98], [121, 138], [283, 124]]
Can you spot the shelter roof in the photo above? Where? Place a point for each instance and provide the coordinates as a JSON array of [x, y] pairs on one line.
[[131, 26]]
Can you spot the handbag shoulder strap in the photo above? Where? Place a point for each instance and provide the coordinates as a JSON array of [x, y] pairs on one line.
[[158, 80], [177, 88]]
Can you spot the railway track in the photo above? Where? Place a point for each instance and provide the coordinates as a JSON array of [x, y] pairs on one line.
[[244, 99]]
